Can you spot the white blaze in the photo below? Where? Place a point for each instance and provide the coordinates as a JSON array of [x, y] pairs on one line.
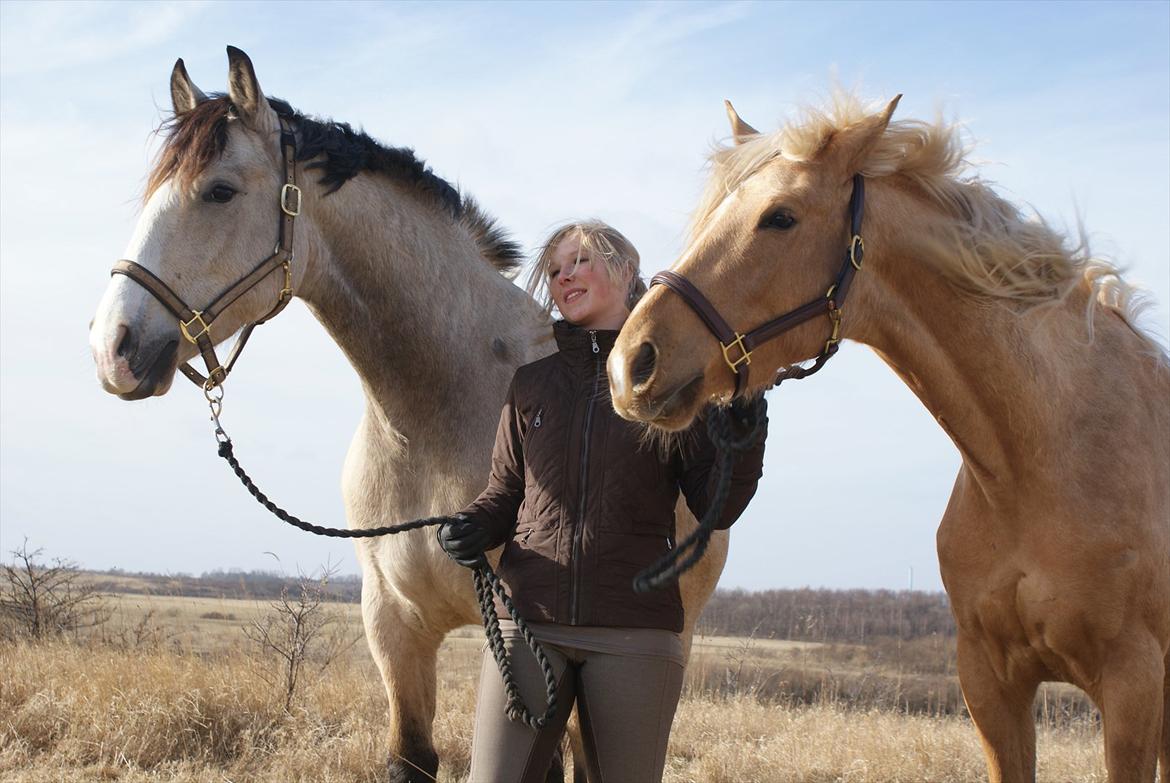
[[125, 304]]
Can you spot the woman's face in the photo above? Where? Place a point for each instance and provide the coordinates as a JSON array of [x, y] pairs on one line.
[[584, 292]]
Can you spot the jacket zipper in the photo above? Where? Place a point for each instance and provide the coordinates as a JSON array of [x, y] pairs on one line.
[[539, 413], [578, 528]]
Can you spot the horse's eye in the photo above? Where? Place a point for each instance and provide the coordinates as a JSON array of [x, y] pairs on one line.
[[221, 194], [780, 219]]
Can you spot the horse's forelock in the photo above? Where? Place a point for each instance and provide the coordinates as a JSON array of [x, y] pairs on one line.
[[192, 141], [932, 153]]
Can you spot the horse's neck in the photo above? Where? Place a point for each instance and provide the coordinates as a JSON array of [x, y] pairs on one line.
[[433, 330], [993, 377]]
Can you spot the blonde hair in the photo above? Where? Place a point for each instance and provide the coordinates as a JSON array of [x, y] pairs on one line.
[[598, 240]]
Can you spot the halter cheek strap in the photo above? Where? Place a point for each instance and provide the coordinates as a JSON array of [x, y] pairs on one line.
[[737, 348], [195, 325]]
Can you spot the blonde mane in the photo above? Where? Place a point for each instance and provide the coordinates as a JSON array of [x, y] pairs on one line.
[[989, 246]]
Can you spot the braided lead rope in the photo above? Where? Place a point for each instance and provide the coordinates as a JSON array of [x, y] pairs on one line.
[[673, 564], [486, 581], [226, 451], [677, 561]]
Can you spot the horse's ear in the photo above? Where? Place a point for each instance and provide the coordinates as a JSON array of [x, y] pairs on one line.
[[245, 93], [740, 130], [185, 96], [851, 145]]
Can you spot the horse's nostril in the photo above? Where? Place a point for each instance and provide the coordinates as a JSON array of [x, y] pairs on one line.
[[643, 366], [127, 343]]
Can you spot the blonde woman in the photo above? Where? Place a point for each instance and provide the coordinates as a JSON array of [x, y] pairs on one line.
[[581, 503]]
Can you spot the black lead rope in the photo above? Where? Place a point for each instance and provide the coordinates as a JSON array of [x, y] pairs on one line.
[[487, 583], [728, 446], [673, 564]]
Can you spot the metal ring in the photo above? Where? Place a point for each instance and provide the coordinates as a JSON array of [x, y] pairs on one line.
[[856, 251]]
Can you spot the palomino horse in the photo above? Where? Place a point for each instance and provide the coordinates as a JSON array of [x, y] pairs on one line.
[[411, 280], [1055, 548]]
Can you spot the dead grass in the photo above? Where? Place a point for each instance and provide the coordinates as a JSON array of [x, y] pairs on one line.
[[168, 710]]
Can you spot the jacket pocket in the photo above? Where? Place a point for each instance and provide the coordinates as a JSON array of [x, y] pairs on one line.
[[636, 549]]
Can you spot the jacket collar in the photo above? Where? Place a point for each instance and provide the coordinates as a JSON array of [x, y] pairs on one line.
[[576, 345]]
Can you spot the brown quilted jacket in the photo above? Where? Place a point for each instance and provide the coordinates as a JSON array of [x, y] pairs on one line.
[[582, 502]]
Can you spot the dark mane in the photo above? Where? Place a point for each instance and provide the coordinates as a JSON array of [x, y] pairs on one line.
[[195, 139]]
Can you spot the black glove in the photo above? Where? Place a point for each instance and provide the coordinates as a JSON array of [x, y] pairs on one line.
[[465, 541], [745, 412]]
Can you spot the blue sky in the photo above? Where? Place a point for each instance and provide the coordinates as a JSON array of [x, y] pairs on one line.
[[544, 112]]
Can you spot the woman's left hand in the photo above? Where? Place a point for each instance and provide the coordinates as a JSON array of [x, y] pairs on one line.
[[465, 541]]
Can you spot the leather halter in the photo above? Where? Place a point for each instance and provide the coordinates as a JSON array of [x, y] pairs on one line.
[[737, 348], [195, 325]]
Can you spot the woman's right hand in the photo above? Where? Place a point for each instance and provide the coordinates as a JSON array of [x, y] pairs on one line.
[[465, 541]]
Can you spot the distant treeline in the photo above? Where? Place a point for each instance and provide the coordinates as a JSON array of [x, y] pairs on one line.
[[849, 616], [222, 584]]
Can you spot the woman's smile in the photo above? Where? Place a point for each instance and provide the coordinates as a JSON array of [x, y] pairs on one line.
[[584, 290]]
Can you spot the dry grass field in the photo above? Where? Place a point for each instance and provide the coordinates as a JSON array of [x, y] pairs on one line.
[[170, 689]]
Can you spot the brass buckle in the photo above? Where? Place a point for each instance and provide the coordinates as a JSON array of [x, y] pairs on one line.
[[205, 328], [294, 209], [745, 356], [856, 244]]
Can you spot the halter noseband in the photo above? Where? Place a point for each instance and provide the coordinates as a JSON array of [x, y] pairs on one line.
[[195, 325], [737, 348]]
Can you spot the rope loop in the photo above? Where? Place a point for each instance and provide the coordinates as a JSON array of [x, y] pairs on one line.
[[487, 583], [728, 444]]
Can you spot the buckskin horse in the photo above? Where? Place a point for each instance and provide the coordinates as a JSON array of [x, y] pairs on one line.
[[410, 278], [1055, 547]]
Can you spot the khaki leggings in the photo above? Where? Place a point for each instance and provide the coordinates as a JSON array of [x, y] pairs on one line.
[[626, 683]]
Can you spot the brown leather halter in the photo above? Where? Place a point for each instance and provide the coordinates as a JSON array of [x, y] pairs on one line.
[[195, 325], [737, 348]]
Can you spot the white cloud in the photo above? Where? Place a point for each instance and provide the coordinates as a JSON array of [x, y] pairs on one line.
[[41, 37]]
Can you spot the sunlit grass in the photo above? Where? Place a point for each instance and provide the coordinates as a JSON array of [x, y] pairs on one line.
[[168, 708]]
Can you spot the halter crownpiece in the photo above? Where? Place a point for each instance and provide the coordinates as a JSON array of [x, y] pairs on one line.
[[737, 348], [195, 325]]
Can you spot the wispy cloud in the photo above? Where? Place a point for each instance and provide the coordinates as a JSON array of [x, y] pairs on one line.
[[42, 37]]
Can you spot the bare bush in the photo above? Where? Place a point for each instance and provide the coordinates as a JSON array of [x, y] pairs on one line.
[[299, 630], [40, 600]]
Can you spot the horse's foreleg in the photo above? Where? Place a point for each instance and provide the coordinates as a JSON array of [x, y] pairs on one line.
[[1130, 696], [406, 655], [1001, 711]]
